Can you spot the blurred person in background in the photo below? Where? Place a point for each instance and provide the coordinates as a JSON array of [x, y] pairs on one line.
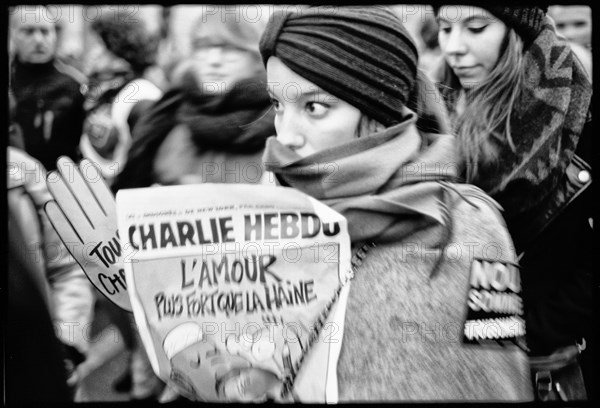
[[430, 55], [34, 369], [68, 293], [523, 126], [48, 92], [212, 126], [575, 24], [419, 20], [119, 94], [119, 91]]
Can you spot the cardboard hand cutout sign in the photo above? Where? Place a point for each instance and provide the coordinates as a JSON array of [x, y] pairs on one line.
[[83, 213]]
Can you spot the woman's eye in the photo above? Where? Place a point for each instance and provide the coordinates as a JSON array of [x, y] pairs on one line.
[[477, 30], [445, 30], [316, 108], [275, 104], [230, 48], [199, 44]]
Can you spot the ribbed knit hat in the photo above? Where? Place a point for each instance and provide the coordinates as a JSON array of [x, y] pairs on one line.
[[362, 55], [526, 21], [221, 28]]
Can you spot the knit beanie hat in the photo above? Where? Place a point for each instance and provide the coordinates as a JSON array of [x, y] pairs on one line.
[[526, 21], [223, 27], [362, 55]]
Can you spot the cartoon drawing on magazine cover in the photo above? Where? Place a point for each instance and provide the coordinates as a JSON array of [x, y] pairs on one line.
[[252, 366]]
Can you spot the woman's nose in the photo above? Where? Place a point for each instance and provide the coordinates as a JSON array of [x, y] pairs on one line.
[[214, 56], [455, 43], [289, 132], [570, 32]]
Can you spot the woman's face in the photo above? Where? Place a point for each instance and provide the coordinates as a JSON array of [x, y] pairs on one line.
[[219, 67], [308, 119], [470, 38]]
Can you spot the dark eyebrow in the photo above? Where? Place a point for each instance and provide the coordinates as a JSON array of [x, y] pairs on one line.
[[466, 20], [311, 93], [304, 94]]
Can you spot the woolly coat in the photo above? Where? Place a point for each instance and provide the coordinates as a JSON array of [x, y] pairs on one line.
[[403, 329]]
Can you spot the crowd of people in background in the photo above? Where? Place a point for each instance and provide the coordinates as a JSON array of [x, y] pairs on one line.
[[473, 85]]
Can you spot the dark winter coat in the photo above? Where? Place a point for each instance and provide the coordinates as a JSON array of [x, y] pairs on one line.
[[49, 109]]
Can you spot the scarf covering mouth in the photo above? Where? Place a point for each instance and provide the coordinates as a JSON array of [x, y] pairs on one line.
[[386, 184], [545, 124]]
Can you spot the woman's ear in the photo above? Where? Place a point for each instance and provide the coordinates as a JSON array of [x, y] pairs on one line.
[[368, 126], [376, 126]]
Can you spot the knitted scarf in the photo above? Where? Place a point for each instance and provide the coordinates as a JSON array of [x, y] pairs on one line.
[[237, 121], [386, 185], [545, 125]]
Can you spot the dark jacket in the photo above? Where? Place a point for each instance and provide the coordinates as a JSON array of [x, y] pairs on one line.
[[34, 367], [557, 243], [550, 215], [202, 138], [49, 109]]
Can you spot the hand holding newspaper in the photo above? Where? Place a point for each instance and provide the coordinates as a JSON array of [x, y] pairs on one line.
[[83, 214]]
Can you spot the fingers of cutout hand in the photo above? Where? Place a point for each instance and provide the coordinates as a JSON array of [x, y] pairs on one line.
[[99, 189], [69, 235], [82, 190], [70, 205], [61, 224]]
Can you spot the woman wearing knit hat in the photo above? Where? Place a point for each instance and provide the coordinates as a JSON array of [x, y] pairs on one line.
[[520, 101], [422, 321], [215, 118]]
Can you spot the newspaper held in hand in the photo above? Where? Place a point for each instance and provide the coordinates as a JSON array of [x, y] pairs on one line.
[[83, 213], [237, 290]]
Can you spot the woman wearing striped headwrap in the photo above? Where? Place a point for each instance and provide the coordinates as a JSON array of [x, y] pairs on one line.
[[436, 287]]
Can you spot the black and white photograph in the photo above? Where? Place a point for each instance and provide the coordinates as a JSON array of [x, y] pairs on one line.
[[300, 203]]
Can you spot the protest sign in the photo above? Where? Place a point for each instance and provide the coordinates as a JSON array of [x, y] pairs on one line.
[[495, 312], [83, 213], [238, 291]]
